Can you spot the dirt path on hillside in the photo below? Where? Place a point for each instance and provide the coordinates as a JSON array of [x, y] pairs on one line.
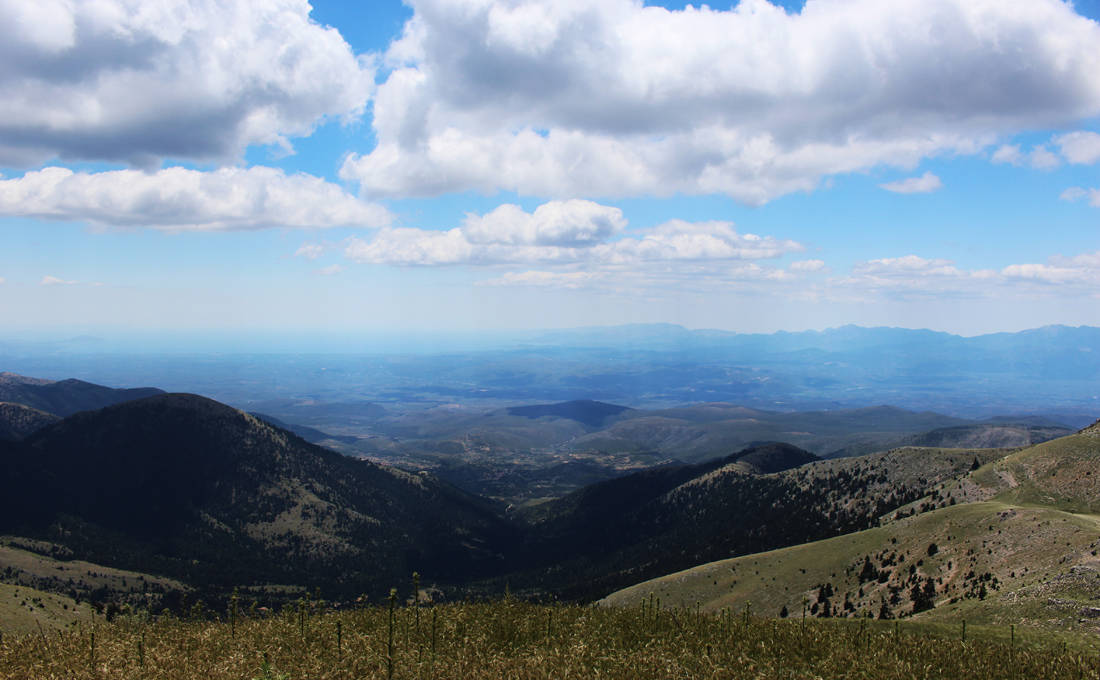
[[1007, 477]]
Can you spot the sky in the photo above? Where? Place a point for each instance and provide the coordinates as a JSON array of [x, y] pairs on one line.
[[273, 166]]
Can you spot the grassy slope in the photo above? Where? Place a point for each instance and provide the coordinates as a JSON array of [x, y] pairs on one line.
[[32, 583], [31, 565], [1038, 555], [1062, 473], [1036, 534], [26, 610]]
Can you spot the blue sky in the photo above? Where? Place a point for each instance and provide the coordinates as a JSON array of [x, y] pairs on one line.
[[458, 165]]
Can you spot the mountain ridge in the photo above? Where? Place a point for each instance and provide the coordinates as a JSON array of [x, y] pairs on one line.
[[65, 397], [183, 485]]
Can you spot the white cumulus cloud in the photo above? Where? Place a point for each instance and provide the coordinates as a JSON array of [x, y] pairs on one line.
[[564, 98], [562, 232], [1079, 148], [1040, 157], [55, 281], [906, 265], [181, 199], [915, 275], [138, 81], [573, 223], [925, 184], [680, 240], [1078, 193], [1082, 269], [310, 251], [1009, 154], [1046, 273]]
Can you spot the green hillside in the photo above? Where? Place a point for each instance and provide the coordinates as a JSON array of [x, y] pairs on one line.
[[1024, 552], [609, 535], [26, 610], [1063, 473]]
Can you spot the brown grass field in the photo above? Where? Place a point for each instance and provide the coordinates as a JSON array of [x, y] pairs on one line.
[[510, 639]]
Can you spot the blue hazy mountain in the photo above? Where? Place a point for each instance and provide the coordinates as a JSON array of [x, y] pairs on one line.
[[1051, 371]]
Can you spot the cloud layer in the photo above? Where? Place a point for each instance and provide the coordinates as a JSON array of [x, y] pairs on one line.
[[565, 98], [561, 232], [909, 277], [912, 275], [137, 81], [180, 199]]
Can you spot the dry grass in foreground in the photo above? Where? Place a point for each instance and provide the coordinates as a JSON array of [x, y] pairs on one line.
[[516, 640]]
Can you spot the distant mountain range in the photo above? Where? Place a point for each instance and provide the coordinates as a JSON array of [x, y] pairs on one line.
[[1052, 371], [846, 339]]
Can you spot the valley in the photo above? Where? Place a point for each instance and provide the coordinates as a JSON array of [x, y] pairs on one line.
[[520, 455], [157, 501]]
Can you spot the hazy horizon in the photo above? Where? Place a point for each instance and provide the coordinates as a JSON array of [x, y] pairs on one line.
[[375, 341]]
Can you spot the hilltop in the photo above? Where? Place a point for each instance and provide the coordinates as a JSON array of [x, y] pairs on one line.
[[17, 421], [584, 411], [65, 397], [183, 486]]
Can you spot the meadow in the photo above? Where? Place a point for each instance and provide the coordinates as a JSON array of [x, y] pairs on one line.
[[512, 639]]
